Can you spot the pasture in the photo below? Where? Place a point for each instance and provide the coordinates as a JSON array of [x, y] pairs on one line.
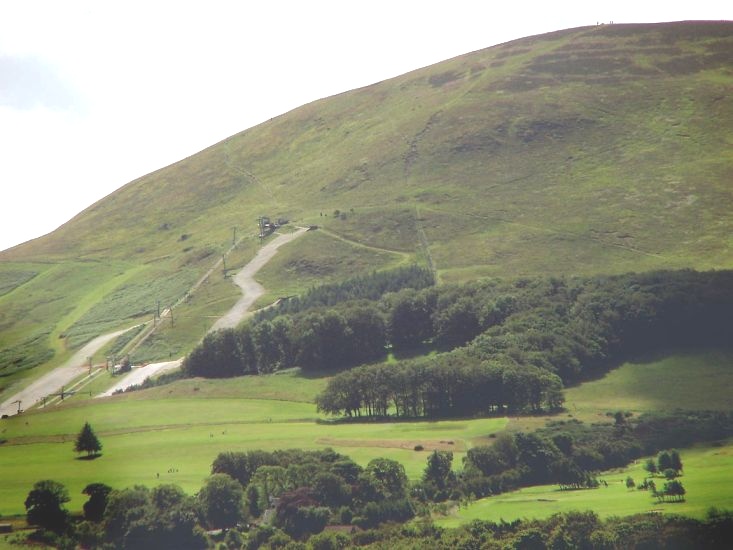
[[150, 440], [172, 433], [708, 470], [692, 379]]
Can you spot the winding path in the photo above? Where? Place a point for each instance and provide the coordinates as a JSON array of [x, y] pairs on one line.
[[251, 290], [74, 367]]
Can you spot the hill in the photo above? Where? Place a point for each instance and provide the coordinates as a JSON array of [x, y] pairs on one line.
[[609, 146]]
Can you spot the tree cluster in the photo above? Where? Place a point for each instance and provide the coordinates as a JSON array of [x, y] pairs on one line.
[[364, 287], [534, 336], [313, 340], [513, 343], [570, 453], [440, 386], [308, 489]]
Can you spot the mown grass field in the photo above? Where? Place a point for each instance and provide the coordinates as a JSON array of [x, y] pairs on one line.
[[184, 425], [688, 379], [176, 431], [685, 380], [708, 479]]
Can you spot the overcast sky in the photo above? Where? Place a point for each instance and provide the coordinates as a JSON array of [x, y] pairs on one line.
[[95, 94]]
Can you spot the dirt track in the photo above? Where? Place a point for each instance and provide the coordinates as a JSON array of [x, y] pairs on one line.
[[54, 380], [251, 289]]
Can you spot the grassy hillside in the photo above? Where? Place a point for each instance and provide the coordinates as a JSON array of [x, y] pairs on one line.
[[608, 146]]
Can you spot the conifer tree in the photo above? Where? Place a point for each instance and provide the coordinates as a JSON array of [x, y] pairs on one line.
[[87, 441]]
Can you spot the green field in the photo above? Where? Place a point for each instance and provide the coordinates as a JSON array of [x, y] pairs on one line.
[[708, 473], [145, 435], [184, 425], [696, 380]]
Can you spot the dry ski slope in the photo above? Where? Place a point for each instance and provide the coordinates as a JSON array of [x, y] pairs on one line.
[[251, 290], [59, 377], [62, 376]]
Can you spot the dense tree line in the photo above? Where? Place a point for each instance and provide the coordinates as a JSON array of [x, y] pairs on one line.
[[308, 489], [350, 333], [364, 287], [568, 327], [444, 385], [569, 452], [314, 340], [535, 335]]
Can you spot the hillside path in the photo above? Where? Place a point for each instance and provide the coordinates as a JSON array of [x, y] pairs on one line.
[[138, 375], [58, 377], [251, 289]]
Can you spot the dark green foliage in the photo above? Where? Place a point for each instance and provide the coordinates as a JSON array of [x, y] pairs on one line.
[[528, 459], [673, 490], [164, 517], [331, 490], [366, 287], [44, 505], [438, 481], [322, 487], [538, 334], [125, 508], [650, 466], [220, 355], [438, 470], [443, 385], [328, 541], [222, 501], [235, 464], [87, 441], [298, 513], [388, 477], [456, 322], [409, 320], [94, 507], [524, 339], [376, 512]]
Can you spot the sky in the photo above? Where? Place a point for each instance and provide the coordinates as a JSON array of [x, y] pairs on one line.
[[96, 94]]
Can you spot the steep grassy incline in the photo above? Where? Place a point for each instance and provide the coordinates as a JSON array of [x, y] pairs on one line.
[[609, 143], [591, 150]]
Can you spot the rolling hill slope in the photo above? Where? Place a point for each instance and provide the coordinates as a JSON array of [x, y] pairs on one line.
[[593, 150]]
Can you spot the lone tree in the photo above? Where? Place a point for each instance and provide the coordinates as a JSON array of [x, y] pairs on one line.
[[87, 441], [44, 505]]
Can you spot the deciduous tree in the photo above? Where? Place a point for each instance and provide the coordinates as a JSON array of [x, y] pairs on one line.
[[44, 505]]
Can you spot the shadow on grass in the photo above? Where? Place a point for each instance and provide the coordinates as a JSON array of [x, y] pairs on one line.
[[89, 457]]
